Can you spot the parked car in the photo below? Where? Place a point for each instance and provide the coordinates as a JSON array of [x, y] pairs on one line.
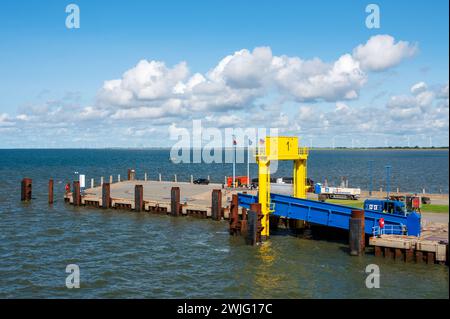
[[201, 181]]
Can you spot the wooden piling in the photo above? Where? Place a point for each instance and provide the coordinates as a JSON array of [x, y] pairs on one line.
[[50, 191], [387, 252], [216, 204], [378, 251], [138, 198], [26, 189], [106, 195], [357, 235], [131, 174], [252, 220], [253, 235], [430, 258], [175, 208], [419, 257], [409, 255], [398, 254], [234, 215], [244, 222], [76, 194]]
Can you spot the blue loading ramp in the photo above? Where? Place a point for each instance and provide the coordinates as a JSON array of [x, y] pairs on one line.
[[334, 215]]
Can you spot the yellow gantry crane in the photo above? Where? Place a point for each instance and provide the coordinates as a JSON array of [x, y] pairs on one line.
[[279, 148]]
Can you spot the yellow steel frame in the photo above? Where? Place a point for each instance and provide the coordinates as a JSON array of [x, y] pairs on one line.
[[276, 149]]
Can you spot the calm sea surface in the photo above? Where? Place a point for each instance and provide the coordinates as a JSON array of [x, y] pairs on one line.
[[129, 255]]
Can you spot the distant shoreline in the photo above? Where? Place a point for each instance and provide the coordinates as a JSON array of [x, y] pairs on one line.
[[443, 148], [380, 149]]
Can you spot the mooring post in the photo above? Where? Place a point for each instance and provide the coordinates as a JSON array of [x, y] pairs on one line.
[[175, 178], [118, 178], [216, 204], [244, 213], [208, 178], [244, 222], [378, 251], [101, 180], [131, 174], [50, 191], [110, 179], [234, 214], [76, 194], [254, 224], [26, 189], [357, 236], [145, 176], [138, 198], [92, 183], [160, 177], [409, 255], [175, 201], [192, 179], [257, 208], [106, 195]]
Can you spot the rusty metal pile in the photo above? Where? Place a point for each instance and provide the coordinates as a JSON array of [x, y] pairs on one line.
[[248, 223]]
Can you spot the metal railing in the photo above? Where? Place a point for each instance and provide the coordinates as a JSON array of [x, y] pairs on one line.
[[389, 230]]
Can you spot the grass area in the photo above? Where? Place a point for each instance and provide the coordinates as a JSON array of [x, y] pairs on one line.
[[346, 202], [431, 208]]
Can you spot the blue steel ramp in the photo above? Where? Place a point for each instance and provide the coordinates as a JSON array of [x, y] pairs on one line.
[[334, 215]]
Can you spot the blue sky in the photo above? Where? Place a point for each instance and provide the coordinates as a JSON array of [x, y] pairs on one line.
[[52, 74]]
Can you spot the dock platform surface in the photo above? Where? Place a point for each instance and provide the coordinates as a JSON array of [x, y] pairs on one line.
[[157, 194]]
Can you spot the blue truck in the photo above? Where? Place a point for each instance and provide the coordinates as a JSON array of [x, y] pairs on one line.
[[385, 206]]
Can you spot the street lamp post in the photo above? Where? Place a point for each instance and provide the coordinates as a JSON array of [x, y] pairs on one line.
[[370, 177], [388, 177]]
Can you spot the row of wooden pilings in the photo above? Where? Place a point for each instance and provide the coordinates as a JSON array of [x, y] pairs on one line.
[[246, 224]]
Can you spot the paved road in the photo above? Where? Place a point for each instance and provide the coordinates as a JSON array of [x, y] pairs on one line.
[[436, 217]]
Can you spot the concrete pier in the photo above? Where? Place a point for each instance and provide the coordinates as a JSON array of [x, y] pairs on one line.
[[410, 249], [194, 200]]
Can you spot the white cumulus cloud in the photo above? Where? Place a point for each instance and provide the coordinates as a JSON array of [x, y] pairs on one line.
[[381, 52]]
